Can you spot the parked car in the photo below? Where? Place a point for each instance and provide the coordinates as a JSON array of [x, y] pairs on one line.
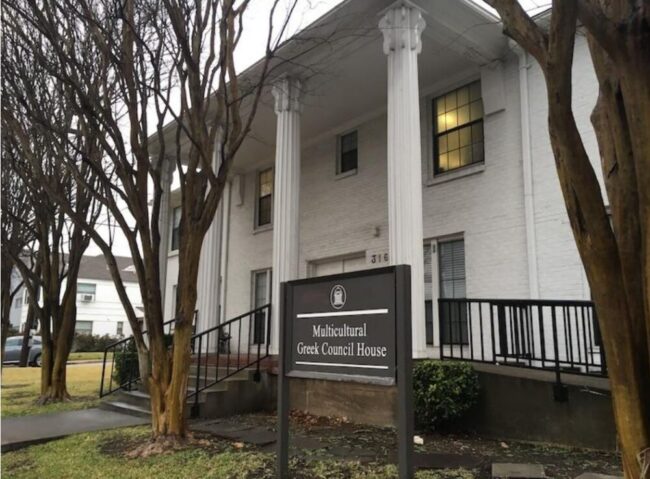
[[14, 346]]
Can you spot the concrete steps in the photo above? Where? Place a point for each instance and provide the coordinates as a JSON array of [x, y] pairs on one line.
[[236, 394]]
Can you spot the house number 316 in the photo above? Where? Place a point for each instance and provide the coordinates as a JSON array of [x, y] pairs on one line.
[[379, 258]]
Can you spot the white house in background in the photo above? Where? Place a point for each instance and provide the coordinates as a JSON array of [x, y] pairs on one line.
[[422, 140], [99, 310]]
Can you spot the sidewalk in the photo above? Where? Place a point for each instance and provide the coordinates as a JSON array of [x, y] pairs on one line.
[[23, 431]]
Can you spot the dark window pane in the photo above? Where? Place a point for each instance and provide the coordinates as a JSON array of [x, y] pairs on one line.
[[265, 197], [349, 161], [264, 212], [348, 154], [349, 142], [176, 238]]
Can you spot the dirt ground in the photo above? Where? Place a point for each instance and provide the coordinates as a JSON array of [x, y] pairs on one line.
[[318, 438]]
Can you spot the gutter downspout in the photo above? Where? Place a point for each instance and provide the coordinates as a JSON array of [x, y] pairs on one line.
[[223, 263], [527, 167]]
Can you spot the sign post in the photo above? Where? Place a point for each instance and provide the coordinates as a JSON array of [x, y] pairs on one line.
[[348, 327]]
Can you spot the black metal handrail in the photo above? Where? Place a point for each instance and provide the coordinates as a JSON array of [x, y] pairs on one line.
[[557, 335], [126, 373], [214, 347]]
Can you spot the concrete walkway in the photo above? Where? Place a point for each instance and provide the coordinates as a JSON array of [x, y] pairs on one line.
[[23, 431]]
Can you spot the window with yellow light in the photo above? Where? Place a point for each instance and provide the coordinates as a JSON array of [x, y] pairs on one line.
[[458, 129]]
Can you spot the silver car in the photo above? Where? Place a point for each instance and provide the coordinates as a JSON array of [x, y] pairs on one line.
[[14, 345]]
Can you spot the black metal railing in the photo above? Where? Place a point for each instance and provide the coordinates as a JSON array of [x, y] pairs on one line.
[[228, 348], [121, 361], [561, 336]]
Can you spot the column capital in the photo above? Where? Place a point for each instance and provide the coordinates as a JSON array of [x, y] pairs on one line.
[[402, 24], [287, 93]]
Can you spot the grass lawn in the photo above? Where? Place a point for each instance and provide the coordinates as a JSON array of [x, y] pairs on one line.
[[98, 356], [21, 386], [102, 455]]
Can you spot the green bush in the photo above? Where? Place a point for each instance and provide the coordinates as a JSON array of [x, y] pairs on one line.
[[126, 364], [126, 361], [443, 392], [91, 343]]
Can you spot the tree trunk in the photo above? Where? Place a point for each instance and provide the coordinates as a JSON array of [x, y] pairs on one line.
[[168, 399], [6, 302], [6, 311], [5, 331], [53, 377], [29, 325]]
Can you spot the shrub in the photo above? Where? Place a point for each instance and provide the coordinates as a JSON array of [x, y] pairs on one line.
[[126, 364], [126, 361], [443, 392], [87, 343]]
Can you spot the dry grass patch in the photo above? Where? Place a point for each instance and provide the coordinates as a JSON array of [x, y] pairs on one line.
[[21, 387]]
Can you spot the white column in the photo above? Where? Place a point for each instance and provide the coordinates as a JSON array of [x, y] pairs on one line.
[[286, 191], [164, 225], [207, 302], [402, 26]]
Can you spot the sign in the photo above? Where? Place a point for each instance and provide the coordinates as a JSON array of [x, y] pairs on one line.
[[377, 257], [343, 325], [348, 327]]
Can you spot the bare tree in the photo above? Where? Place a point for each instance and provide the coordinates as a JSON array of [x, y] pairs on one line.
[[15, 237], [130, 67], [32, 156], [616, 256]]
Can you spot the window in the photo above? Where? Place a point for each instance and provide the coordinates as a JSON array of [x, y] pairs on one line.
[[86, 292], [348, 153], [261, 297], [18, 300], [120, 328], [84, 327], [458, 129], [176, 228], [264, 210], [14, 342], [451, 264]]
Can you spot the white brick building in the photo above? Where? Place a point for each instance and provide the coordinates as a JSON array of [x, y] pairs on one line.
[[492, 212]]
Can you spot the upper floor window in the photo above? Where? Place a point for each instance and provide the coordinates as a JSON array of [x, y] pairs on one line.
[[458, 129], [264, 210], [176, 228], [348, 153]]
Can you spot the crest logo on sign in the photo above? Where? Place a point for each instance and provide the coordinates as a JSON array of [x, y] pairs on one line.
[[338, 296]]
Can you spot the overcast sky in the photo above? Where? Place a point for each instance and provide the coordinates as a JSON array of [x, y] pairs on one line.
[[252, 45]]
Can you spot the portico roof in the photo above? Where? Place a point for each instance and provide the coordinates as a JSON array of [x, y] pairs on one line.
[[345, 77]]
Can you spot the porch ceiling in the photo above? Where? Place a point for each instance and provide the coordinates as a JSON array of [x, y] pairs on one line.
[[346, 79]]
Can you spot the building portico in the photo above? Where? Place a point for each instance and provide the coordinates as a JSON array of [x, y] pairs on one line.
[[342, 171]]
